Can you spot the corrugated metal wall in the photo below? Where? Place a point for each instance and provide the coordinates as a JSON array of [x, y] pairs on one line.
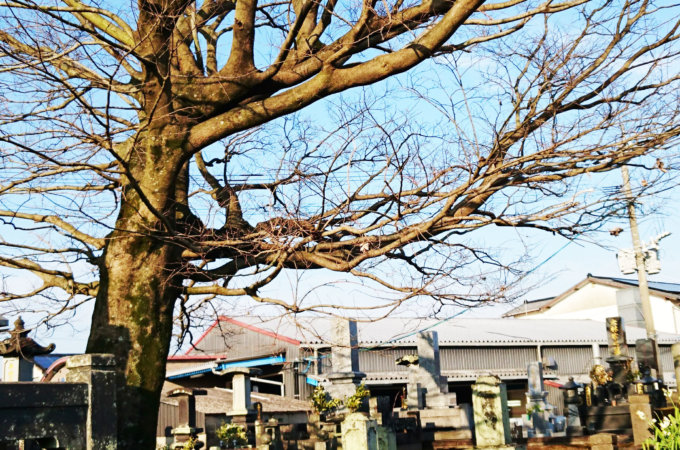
[[570, 360], [666, 358], [481, 358], [452, 358], [383, 360], [238, 342]]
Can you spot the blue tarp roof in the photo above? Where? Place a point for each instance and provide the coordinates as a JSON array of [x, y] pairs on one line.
[[208, 367], [45, 361]]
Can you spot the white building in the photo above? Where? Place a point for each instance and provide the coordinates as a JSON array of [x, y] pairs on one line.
[[597, 298]]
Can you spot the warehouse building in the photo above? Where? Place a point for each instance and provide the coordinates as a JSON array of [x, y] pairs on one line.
[[293, 353]]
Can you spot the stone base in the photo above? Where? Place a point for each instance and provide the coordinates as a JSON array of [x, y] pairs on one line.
[[609, 419], [459, 417], [446, 424], [343, 384], [312, 444], [594, 442]]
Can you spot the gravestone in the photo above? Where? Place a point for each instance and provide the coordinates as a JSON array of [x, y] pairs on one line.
[[427, 388], [186, 416], [616, 337], [16, 369], [640, 417], [359, 432], [490, 409], [345, 376], [242, 408], [645, 353], [538, 408], [618, 359]]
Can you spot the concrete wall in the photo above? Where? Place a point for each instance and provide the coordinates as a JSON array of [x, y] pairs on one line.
[[78, 414], [597, 302]]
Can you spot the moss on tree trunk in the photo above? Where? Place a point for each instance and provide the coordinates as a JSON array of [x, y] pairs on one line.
[[139, 283]]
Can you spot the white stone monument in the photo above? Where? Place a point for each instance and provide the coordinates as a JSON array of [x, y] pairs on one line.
[[427, 388], [345, 376]]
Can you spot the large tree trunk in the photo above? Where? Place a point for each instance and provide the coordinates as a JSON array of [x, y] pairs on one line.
[[139, 283]]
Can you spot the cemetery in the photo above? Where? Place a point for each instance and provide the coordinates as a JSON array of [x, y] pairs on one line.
[[612, 410]]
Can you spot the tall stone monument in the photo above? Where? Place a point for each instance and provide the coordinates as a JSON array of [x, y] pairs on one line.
[[538, 407], [426, 386], [618, 358], [242, 408], [345, 376]]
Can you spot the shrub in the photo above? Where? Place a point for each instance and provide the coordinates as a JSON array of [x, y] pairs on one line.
[[232, 434], [666, 433], [322, 402], [353, 402]]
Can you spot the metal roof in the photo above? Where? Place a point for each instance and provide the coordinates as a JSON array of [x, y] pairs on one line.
[[672, 288], [670, 291], [396, 331], [528, 306]]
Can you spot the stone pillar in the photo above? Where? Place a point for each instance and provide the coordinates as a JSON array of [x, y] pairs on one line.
[[597, 357], [427, 388], [537, 403], [98, 371], [640, 417], [240, 384], [675, 351], [345, 359], [344, 350], [186, 415], [359, 433], [629, 307], [490, 408], [429, 370], [415, 399], [380, 409]]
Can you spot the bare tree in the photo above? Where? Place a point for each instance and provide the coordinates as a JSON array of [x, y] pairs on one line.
[[129, 134]]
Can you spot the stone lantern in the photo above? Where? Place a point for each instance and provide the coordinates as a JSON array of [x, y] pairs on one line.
[[18, 352], [572, 405]]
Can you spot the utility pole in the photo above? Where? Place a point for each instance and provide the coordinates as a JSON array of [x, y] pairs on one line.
[[641, 270]]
